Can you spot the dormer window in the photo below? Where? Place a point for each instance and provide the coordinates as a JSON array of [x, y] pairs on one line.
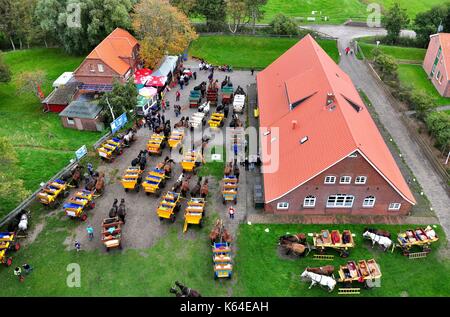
[[304, 139]]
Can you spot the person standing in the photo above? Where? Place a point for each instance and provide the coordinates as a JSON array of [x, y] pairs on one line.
[[178, 96], [253, 71], [231, 212], [195, 75], [90, 232], [181, 82], [27, 268], [77, 246], [90, 169], [235, 148], [18, 273]]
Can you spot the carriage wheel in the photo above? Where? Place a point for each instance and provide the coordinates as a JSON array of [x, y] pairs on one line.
[[107, 249], [126, 190], [147, 193], [17, 246], [66, 194], [161, 219], [235, 201], [406, 252], [8, 262], [84, 217], [173, 218], [200, 224]]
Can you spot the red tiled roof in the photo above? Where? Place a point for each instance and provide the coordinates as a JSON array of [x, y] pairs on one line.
[[303, 77], [118, 44], [444, 40]]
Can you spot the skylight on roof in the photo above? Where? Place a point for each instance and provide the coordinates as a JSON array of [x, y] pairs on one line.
[[304, 139], [355, 106]]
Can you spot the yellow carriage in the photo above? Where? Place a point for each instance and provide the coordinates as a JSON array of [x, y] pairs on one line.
[[112, 233], [194, 213], [169, 206], [175, 138], [132, 178], [334, 240], [191, 159], [216, 120], [156, 144], [421, 237], [154, 181], [7, 244], [230, 189], [49, 195], [366, 272], [76, 206], [110, 149]]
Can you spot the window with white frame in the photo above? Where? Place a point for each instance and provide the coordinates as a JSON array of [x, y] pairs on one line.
[[309, 202], [438, 74], [70, 121], [283, 206], [330, 179], [360, 180], [100, 68], [354, 154], [340, 201], [369, 202], [345, 180], [394, 206]]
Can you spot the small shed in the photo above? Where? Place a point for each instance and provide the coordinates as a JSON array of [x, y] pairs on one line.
[[60, 97], [82, 115], [63, 79]]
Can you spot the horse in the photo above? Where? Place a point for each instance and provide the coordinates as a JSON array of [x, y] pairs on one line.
[[179, 124], [196, 190], [185, 186], [384, 242], [322, 270], [186, 291], [295, 248], [299, 237], [322, 280], [379, 232], [100, 184], [228, 169], [226, 236], [76, 176], [204, 189]]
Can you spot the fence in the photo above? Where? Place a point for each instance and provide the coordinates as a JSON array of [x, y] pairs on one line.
[[423, 145], [32, 198]]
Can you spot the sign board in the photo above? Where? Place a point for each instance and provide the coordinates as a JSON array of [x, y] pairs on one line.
[[119, 123], [82, 151]]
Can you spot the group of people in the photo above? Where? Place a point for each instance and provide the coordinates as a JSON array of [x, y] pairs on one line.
[[118, 211], [348, 50], [26, 269]]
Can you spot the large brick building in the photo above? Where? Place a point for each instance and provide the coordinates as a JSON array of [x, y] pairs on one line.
[[328, 154], [116, 57], [437, 62]]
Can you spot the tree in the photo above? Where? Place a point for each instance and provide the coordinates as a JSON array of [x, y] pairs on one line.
[[31, 82], [385, 64], [214, 11], [283, 25], [255, 11], [236, 13], [162, 29], [5, 72], [46, 13], [121, 99], [438, 123], [7, 25], [186, 6], [427, 23], [394, 21], [422, 102]]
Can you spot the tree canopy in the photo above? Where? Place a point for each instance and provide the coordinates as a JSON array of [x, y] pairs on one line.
[[5, 72], [121, 99], [283, 25], [427, 23], [395, 19]]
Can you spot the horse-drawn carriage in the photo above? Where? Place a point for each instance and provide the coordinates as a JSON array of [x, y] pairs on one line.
[[238, 103], [334, 240], [223, 265], [198, 120], [363, 271], [216, 120], [50, 194], [156, 144], [194, 213], [77, 205], [154, 181], [195, 97], [230, 189], [212, 94], [227, 95], [169, 206], [421, 237], [112, 233], [8, 243], [190, 161], [175, 138], [110, 149], [132, 178]]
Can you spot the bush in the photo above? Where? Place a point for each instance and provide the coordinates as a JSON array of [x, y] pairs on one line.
[[283, 25], [422, 103], [386, 65], [438, 123]]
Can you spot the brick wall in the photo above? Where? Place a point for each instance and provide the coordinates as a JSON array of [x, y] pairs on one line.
[[430, 57], [86, 76], [375, 186]]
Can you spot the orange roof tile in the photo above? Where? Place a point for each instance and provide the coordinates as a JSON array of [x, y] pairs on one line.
[[444, 40], [118, 44], [295, 87]]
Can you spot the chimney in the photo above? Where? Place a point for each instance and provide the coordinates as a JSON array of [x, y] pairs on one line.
[[294, 124]]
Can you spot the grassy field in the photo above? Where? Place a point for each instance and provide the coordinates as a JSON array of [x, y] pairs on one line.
[[247, 51], [412, 6], [261, 271], [415, 76], [410, 54], [43, 145]]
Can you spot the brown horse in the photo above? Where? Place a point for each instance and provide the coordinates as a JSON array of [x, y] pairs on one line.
[[219, 233], [295, 248], [185, 186], [196, 190], [228, 169], [76, 176], [179, 124], [204, 189], [299, 237], [185, 291], [322, 270], [100, 185]]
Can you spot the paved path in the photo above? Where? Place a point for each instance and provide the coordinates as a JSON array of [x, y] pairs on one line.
[[431, 182], [440, 108]]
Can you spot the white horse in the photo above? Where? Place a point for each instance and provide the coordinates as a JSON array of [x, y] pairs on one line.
[[383, 241], [205, 107], [322, 280]]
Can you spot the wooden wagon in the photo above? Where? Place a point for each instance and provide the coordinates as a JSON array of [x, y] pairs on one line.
[[50, 194], [8, 244], [195, 97], [197, 120], [223, 265], [216, 120], [110, 149], [340, 242], [132, 179], [212, 95], [191, 160], [169, 206], [154, 181], [112, 233], [77, 205], [227, 95], [420, 237], [194, 213], [230, 189], [156, 144], [175, 138], [366, 272]]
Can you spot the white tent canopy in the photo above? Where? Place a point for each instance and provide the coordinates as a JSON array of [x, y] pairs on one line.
[[63, 79]]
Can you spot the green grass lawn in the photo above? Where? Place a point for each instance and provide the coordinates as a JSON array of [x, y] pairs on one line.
[[412, 6], [410, 54], [415, 76], [247, 51], [262, 272], [43, 145]]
